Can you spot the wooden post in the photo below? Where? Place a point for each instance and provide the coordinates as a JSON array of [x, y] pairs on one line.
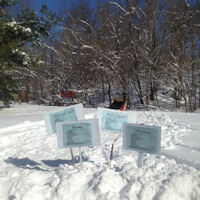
[[74, 163], [111, 152]]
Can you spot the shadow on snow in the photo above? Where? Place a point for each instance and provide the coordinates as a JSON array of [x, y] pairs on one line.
[[26, 163]]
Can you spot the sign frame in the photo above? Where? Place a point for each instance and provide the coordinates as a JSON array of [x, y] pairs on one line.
[[149, 138], [95, 139], [77, 113], [105, 112]]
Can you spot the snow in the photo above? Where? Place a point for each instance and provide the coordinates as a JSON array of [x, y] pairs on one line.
[[33, 168], [27, 30], [12, 23], [41, 62], [24, 56], [86, 47]]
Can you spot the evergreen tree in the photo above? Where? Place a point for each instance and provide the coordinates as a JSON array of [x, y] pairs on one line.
[[15, 35]]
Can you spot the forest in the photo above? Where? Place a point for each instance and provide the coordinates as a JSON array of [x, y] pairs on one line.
[[147, 51]]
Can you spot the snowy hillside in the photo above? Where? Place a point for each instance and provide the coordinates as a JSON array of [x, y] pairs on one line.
[[33, 168]]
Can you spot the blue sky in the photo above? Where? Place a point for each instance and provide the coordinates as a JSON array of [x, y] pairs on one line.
[[52, 4], [55, 4]]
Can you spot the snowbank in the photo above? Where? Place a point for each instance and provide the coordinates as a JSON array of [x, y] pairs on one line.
[[33, 168]]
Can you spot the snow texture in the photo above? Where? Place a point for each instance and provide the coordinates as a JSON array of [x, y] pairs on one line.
[[33, 168]]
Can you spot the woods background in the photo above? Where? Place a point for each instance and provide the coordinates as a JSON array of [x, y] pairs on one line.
[[146, 50]]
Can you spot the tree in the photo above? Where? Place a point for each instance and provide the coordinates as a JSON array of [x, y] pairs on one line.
[[137, 46], [15, 35]]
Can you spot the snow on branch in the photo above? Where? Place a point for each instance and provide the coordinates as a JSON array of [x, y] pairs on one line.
[[73, 34], [84, 46], [120, 7], [188, 5], [50, 47], [86, 23]]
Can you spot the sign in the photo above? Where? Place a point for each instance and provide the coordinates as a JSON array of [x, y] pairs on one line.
[[68, 114], [142, 138], [78, 134], [113, 120]]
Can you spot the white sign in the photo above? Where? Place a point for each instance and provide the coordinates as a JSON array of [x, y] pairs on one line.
[[112, 120], [142, 138], [78, 134], [67, 114]]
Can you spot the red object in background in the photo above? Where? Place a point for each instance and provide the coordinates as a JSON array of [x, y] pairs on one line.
[[123, 108], [68, 94]]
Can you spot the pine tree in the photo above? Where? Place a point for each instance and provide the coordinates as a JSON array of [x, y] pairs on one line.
[[15, 34]]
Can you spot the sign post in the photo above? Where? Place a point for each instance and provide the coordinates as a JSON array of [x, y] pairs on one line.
[[81, 159], [67, 114], [141, 138], [111, 152], [78, 134], [73, 160], [112, 121], [140, 155]]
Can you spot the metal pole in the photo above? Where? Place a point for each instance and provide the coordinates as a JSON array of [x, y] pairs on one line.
[[140, 160], [81, 159]]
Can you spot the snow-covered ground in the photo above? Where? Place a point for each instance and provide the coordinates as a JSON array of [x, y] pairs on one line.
[[33, 168]]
